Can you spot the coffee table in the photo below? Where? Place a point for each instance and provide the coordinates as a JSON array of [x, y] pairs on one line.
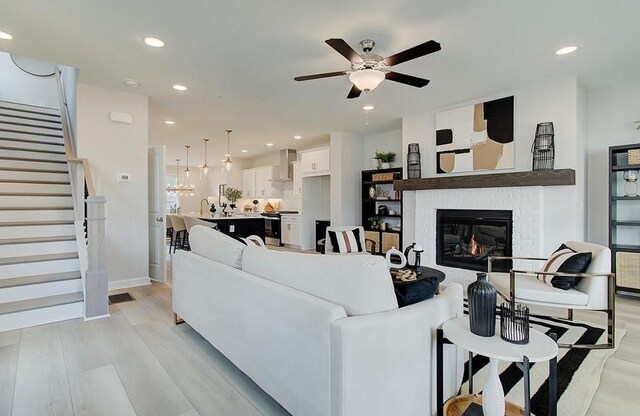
[[539, 349]]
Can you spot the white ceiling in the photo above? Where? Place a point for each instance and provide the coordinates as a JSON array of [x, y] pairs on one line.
[[238, 58]]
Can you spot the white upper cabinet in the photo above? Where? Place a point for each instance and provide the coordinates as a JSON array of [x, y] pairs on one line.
[[297, 178], [261, 183], [249, 183], [315, 162]]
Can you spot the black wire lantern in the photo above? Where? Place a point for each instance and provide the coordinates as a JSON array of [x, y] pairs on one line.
[[543, 148], [413, 161]]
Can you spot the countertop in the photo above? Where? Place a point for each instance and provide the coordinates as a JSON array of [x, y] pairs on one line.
[[218, 217]]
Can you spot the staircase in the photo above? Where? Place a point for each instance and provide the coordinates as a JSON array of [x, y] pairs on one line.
[[40, 279]]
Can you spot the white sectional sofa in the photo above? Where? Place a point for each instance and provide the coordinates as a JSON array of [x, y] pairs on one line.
[[322, 335]]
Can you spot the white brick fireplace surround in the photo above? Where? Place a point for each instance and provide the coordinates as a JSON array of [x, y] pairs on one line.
[[527, 204]]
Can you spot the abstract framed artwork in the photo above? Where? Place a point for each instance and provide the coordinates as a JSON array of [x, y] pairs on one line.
[[476, 137]]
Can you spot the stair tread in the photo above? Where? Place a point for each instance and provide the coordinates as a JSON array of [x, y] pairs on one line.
[[10, 105], [29, 240], [27, 149], [31, 208], [38, 279], [38, 303], [35, 194], [35, 181], [25, 123], [27, 159], [34, 223], [25, 140], [31, 133], [12, 169], [37, 258], [22, 115]]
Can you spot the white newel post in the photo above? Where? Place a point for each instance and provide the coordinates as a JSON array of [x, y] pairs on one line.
[[97, 280]]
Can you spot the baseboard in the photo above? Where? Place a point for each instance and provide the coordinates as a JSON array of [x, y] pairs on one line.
[[93, 318], [127, 283]]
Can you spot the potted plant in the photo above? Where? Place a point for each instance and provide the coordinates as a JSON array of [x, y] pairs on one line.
[[232, 195], [386, 158], [374, 222]]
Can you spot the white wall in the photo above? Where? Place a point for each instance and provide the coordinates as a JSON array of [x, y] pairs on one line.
[[19, 87], [386, 141], [612, 112], [535, 102], [112, 148], [346, 164]]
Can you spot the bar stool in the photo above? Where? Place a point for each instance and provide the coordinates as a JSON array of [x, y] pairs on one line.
[[179, 232]]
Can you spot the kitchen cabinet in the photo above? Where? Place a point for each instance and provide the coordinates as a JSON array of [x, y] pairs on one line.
[[261, 182], [297, 179], [315, 162], [290, 230], [240, 227], [249, 183]]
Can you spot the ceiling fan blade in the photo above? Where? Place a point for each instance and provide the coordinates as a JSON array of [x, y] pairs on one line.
[[317, 76], [406, 79], [344, 49], [354, 92], [413, 53]]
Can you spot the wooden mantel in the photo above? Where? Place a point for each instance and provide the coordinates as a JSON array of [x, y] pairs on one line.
[[557, 177]]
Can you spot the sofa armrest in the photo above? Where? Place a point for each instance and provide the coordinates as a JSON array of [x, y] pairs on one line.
[[384, 363]]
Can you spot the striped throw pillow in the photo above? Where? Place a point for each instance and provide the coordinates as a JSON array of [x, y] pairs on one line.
[[565, 260], [346, 241]]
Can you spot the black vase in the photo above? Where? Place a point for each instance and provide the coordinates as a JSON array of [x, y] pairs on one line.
[[482, 306]]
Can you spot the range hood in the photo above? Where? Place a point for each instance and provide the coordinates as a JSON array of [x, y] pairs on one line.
[[286, 168]]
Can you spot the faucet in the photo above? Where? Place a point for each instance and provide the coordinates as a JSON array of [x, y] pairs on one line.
[[206, 201]]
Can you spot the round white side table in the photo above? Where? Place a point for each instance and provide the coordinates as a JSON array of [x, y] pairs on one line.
[[540, 348]]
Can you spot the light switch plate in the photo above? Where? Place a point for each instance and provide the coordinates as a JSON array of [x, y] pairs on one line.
[[124, 177]]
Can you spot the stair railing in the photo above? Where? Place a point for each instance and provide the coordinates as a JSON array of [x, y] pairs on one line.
[[89, 212]]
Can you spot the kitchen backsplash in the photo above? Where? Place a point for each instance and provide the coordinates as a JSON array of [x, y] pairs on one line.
[[289, 202]]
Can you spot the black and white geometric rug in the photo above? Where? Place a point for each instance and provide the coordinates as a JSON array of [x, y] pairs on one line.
[[578, 369]]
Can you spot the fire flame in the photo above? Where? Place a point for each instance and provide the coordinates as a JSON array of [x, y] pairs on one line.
[[475, 248]]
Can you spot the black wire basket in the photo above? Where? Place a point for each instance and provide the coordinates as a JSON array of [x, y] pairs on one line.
[[514, 323]]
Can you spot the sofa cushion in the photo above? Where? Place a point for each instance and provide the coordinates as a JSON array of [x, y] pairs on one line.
[[214, 245], [531, 290], [360, 284]]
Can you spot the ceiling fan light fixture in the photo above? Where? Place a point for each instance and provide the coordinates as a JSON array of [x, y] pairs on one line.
[[366, 79]]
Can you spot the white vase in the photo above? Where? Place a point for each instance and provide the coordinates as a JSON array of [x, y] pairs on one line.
[[375, 163], [386, 165], [492, 392]]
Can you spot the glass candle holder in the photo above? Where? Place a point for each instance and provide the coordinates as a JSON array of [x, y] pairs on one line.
[[630, 182]]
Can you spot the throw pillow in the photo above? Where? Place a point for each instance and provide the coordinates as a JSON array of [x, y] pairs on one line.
[[565, 260], [346, 241]]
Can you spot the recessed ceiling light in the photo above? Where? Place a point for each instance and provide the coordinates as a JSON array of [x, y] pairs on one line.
[[269, 144], [179, 87], [5, 35], [223, 160], [367, 107], [227, 155], [153, 42], [169, 122], [297, 137], [566, 50], [244, 150], [131, 83]]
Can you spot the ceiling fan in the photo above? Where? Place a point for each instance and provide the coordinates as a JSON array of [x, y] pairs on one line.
[[368, 70]]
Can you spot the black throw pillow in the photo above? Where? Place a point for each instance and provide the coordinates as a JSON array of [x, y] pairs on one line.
[[565, 260]]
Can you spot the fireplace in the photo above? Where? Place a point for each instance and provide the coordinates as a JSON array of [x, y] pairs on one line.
[[466, 238]]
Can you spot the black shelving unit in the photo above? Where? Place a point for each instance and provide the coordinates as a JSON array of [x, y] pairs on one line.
[[392, 235], [624, 220]]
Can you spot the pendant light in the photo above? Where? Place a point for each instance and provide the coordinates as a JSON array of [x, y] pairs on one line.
[[227, 163], [204, 170], [187, 172]]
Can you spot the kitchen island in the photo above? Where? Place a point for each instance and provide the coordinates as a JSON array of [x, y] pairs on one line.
[[236, 225]]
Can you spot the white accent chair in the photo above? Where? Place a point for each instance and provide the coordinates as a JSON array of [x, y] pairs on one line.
[[328, 246], [595, 291]]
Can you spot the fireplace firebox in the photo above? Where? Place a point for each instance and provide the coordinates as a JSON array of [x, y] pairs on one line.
[[466, 238]]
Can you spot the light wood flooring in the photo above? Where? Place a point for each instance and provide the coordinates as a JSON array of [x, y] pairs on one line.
[[137, 362]]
